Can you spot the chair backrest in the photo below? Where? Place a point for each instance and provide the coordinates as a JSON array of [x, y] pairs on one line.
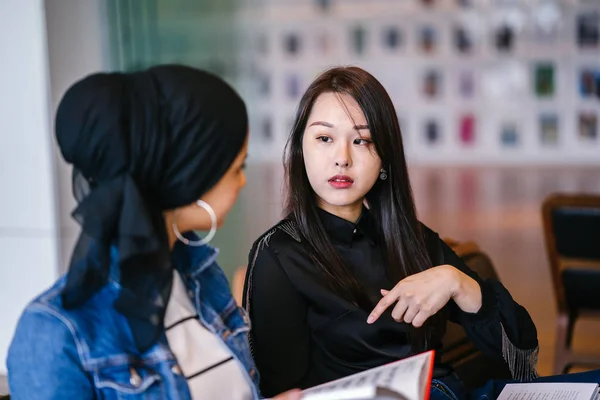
[[472, 255], [572, 235], [472, 366], [482, 264], [479, 262], [237, 284]]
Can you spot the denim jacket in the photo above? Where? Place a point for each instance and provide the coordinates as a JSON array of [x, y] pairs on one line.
[[89, 352]]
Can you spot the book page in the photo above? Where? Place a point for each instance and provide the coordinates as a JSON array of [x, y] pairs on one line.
[[549, 391], [402, 377]]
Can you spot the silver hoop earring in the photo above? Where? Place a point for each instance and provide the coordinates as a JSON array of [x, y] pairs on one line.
[[383, 174], [211, 233]]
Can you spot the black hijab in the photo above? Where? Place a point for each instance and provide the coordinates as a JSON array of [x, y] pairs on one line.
[[140, 144]]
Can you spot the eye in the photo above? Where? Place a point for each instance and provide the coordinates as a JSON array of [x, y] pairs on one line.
[[324, 139], [362, 142]]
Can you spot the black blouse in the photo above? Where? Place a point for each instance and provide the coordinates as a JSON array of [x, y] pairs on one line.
[[303, 334]]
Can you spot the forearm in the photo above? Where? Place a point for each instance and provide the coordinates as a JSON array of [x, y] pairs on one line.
[[467, 292]]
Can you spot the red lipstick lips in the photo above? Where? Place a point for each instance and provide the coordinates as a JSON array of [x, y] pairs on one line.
[[341, 181]]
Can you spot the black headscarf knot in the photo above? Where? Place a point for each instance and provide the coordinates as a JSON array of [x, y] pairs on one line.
[[144, 143]]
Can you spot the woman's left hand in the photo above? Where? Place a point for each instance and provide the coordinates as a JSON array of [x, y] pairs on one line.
[[421, 295]]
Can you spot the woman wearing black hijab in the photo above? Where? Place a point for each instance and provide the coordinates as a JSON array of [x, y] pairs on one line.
[[144, 311]]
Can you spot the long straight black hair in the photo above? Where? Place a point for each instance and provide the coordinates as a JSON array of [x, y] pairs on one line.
[[390, 201]]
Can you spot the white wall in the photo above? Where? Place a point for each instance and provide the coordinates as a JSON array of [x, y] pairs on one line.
[[44, 48], [77, 46], [28, 234], [503, 83]]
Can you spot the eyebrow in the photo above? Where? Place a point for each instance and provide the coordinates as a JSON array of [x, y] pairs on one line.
[[326, 124], [330, 125]]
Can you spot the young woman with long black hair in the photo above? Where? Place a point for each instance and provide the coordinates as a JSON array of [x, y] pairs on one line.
[[350, 279]]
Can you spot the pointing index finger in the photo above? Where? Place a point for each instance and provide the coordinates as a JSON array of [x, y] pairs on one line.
[[386, 301]]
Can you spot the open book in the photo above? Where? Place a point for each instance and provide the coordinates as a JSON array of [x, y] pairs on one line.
[[407, 379], [550, 391]]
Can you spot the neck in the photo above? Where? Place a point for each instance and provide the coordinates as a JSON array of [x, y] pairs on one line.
[[350, 212]]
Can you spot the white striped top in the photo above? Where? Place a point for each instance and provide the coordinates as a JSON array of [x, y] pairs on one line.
[[207, 363]]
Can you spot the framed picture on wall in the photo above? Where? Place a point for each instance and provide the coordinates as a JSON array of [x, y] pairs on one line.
[[466, 83], [391, 38], [547, 20], [548, 124], [267, 129], [504, 38], [325, 43], [463, 40], [589, 82], [544, 85], [432, 132], [323, 5], [432, 84], [428, 39], [292, 43], [358, 39], [466, 129], [588, 126], [264, 84], [509, 134], [292, 86], [588, 29]]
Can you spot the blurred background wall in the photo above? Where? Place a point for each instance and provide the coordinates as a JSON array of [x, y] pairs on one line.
[[29, 237], [478, 84]]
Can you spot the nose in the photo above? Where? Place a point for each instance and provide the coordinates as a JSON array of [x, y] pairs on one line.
[[342, 158]]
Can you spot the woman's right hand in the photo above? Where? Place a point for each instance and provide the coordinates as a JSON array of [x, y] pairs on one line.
[[289, 395]]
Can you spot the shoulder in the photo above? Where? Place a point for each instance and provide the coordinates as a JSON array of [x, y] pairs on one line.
[[44, 310], [99, 305], [43, 314], [283, 235], [93, 330], [270, 252]]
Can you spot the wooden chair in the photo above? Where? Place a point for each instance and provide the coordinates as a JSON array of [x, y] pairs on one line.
[[572, 235], [237, 284], [472, 366]]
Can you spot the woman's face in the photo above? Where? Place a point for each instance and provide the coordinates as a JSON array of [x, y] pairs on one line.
[[221, 198], [340, 159]]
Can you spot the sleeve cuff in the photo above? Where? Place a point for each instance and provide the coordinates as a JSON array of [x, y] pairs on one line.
[[488, 308]]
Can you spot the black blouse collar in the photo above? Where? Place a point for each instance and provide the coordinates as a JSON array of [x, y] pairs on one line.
[[345, 232]]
